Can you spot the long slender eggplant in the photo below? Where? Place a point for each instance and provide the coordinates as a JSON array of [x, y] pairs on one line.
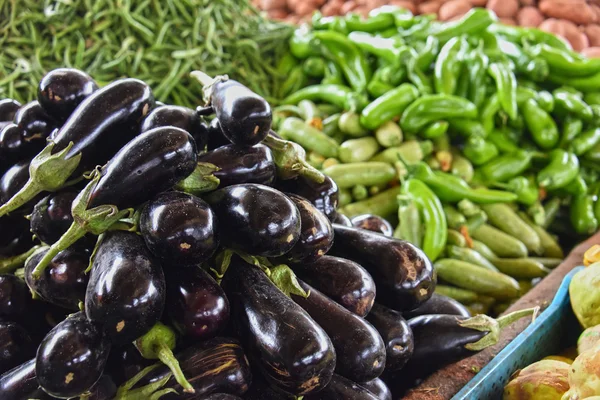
[[373, 223], [218, 365], [438, 304], [179, 117], [15, 299], [378, 388], [196, 304], [16, 346], [19, 382], [316, 236], [244, 116], [242, 165], [126, 290], [64, 282], [71, 358], [51, 216], [341, 388], [14, 146], [35, 123], [179, 228], [292, 352], [359, 349], [256, 218], [343, 281], [404, 275], [8, 108], [61, 90], [324, 196], [396, 334]]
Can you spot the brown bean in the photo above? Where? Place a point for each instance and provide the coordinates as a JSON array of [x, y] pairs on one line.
[[525, 3], [331, 8], [269, 5], [576, 11], [508, 21], [429, 7], [407, 4], [596, 10], [478, 3], [303, 8], [453, 8], [567, 30], [347, 7], [592, 52], [278, 13], [504, 8], [593, 34], [530, 17]]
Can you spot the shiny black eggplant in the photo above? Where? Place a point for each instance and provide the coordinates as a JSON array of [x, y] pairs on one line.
[[104, 122], [61, 90], [64, 282], [244, 116], [126, 289], [242, 164], [341, 388], [179, 117], [373, 223], [196, 304], [151, 163], [216, 138], [16, 346], [8, 109], [19, 382], [221, 396], [359, 349], [104, 389], [17, 239], [14, 146], [324, 196], [51, 216], [341, 219], [218, 365], [404, 275], [35, 123], [125, 362], [378, 388], [71, 358], [316, 235], [439, 304], [292, 352], [343, 281], [261, 390], [180, 229], [396, 334], [15, 299], [13, 180], [256, 218]]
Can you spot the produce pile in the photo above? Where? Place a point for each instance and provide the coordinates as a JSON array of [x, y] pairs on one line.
[[479, 141], [577, 21]]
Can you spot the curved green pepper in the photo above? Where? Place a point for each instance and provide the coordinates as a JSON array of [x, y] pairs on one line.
[[563, 63], [571, 128], [567, 102], [409, 222], [417, 76], [379, 19], [541, 125], [388, 106], [489, 111], [314, 67], [435, 130], [301, 45], [426, 56], [576, 187], [478, 64], [527, 192], [447, 67], [506, 84], [507, 166], [585, 141], [341, 96], [333, 74], [518, 34], [295, 81], [467, 127], [561, 170], [435, 107], [582, 215], [479, 151], [476, 20], [386, 49], [504, 139], [586, 84]]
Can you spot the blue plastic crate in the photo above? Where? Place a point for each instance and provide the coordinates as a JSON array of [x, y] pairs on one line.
[[554, 330]]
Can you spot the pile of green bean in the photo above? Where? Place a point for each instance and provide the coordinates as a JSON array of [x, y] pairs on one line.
[[479, 141]]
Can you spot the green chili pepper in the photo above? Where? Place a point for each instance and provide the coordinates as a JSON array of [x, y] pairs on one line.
[[309, 111], [541, 125], [586, 141], [403, 18], [314, 67], [300, 43], [330, 125], [295, 81], [338, 95], [545, 100], [454, 217], [360, 192], [447, 66], [410, 151], [506, 84], [534, 67], [576, 187], [382, 204], [507, 166], [518, 34], [527, 192], [308, 137], [566, 102], [592, 98], [504, 140], [410, 226], [479, 151], [349, 124], [477, 65], [571, 128], [333, 74], [389, 134], [357, 150], [433, 108], [363, 173], [584, 83], [560, 171], [436, 229], [345, 198], [427, 54], [563, 63], [593, 154], [418, 29], [378, 20], [475, 21], [417, 76], [385, 49], [504, 218], [435, 130], [388, 106], [377, 88], [462, 168], [467, 127], [583, 219], [470, 256], [347, 55], [332, 23], [455, 238], [489, 111]]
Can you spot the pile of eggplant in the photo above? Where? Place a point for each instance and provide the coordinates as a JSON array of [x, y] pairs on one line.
[[190, 254]]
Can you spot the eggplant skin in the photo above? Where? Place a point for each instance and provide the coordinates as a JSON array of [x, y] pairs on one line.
[[291, 351], [378, 388], [439, 304], [19, 382], [341, 388]]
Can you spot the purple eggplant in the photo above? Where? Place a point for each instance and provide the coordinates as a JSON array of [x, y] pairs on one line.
[[61, 90], [35, 123], [16, 346], [378, 388], [19, 382], [341, 388], [438, 304], [15, 299], [324, 196], [373, 223], [179, 117], [51, 216], [216, 138], [8, 108]]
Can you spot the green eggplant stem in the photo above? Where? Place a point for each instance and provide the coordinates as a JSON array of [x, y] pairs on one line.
[[165, 355], [72, 235], [8, 265]]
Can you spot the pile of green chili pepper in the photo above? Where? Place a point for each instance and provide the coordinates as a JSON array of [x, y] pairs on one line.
[[475, 138]]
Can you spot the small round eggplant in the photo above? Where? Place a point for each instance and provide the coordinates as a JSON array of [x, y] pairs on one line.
[[15, 299], [324, 196], [378, 388], [196, 304], [179, 228], [403, 274], [8, 109], [34, 122], [359, 349], [19, 382], [316, 235], [151, 163], [244, 116], [438, 304], [292, 352], [179, 117], [396, 334], [373, 223], [242, 165], [344, 281], [126, 290], [341, 388], [216, 138], [256, 218], [64, 282], [61, 90], [71, 358], [125, 362], [51, 216], [13, 180], [16, 346], [15, 147], [341, 219]]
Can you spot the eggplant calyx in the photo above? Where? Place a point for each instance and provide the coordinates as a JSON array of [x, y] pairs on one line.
[[201, 180], [223, 260], [47, 173], [207, 83], [8, 265], [290, 159], [285, 279]]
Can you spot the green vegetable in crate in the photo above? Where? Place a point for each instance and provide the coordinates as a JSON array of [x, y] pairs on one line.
[[527, 192], [357, 150], [584, 375], [588, 339], [584, 290], [507, 166], [506, 85], [336, 94], [308, 137], [447, 66], [389, 134], [503, 217], [388, 106], [432, 108], [411, 152], [541, 125], [545, 379], [382, 204]]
